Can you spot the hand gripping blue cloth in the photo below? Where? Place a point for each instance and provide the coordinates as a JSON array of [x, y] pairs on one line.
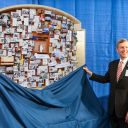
[[67, 103]]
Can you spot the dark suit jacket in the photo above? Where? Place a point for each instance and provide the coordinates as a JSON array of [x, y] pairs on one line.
[[118, 99]]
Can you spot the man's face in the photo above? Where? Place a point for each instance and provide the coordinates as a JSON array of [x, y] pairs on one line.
[[122, 50]]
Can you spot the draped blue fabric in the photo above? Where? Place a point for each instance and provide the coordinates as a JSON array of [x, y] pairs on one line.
[[105, 21], [68, 103]]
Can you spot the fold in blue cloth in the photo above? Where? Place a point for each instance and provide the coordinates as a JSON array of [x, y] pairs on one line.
[[67, 103]]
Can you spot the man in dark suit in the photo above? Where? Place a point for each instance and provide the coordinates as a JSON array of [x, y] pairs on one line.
[[117, 75]]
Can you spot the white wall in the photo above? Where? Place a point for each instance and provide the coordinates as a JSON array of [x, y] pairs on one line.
[[81, 47]]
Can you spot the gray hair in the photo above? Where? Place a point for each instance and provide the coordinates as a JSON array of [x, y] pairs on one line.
[[121, 41]]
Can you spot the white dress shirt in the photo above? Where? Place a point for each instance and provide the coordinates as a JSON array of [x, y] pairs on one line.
[[124, 62]]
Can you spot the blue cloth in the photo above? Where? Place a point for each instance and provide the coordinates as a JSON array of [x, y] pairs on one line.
[[68, 103]]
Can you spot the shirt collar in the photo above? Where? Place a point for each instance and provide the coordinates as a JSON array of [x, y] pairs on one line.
[[125, 60]]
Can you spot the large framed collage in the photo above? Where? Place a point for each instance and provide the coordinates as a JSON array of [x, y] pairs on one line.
[[37, 44]]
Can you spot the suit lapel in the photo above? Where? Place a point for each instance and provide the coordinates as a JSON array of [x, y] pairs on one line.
[[123, 72]]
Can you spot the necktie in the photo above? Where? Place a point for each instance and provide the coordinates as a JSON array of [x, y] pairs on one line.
[[119, 70]]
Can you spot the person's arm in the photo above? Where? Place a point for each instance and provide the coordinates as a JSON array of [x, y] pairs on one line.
[[96, 77]]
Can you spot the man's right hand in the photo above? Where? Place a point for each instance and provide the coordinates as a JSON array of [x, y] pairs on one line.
[[87, 70]]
